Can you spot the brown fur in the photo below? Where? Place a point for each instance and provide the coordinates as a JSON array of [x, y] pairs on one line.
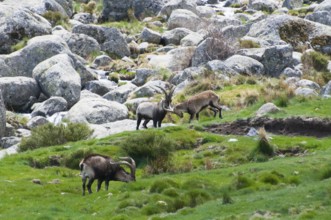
[[197, 103]]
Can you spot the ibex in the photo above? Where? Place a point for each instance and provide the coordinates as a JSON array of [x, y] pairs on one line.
[[155, 111], [103, 168], [197, 103]]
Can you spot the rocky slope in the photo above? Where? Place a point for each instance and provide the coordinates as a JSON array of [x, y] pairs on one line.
[[51, 76]]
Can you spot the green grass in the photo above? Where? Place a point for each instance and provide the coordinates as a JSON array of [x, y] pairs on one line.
[[289, 187]]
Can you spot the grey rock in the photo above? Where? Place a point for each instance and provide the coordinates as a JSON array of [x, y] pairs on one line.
[[38, 49], [19, 92], [97, 111], [181, 18], [142, 75], [36, 121], [110, 39], [17, 23], [266, 5], [149, 89], [174, 60], [150, 36], [275, 59], [291, 4], [102, 60], [121, 93], [267, 108], [306, 92], [322, 13], [116, 10], [172, 5], [224, 21], [326, 90], [305, 83], [220, 67], [192, 39], [80, 44], [143, 8], [245, 65], [174, 36], [255, 53], [49, 107], [7, 142], [132, 104], [56, 76], [289, 72], [100, 87], [85, 18]]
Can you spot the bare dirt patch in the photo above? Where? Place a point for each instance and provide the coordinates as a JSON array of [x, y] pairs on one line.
[[296, 126]]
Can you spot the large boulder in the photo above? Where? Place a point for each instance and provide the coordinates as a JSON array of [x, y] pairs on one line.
[[192, 39], [144, 8], [80, 44], [291, 4], [142, 75], [19, 92], [22, 62], [100, 87], [263, 5], [57, 77], [172, 5], [175, 60], [150, 36], [2, 116], [185, 19], [120, 94], [267, 108], [245, 65], [116, 10], [49, 107], [38, 49], [322, 13], [278, 29], [174, 36], [18, 23], [97, 111], [276, 59], [110, 39]]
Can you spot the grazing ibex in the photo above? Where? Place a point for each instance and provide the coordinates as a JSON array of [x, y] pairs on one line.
[[155, 111], [197, 103], [103, 168]]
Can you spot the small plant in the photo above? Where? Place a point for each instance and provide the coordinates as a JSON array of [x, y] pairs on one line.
[[248, 44], [226, 198], [114, 77], [89, 7], [282, 101], [20, 44], [263, 149], [243, 182], [56, 18], [326, 172], [315, 60], [49, 135]]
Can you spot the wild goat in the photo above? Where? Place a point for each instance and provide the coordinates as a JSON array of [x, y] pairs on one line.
[[103, 168], [197, 103], [155, 111]]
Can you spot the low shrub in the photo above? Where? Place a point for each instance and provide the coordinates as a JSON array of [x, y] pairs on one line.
[[55, 18], [72, 160], [264, 148], [197, 197], [50, 134], [150, 147], [243, 182], [248, 44], [315, 60], [160, 185]]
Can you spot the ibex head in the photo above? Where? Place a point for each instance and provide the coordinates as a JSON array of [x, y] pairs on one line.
[[168, 98]]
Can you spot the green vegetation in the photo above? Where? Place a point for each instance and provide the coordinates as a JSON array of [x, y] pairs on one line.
[[50, 134], [248, 44], [20, 44], [315, 60], [278, 186], [56, 18]]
